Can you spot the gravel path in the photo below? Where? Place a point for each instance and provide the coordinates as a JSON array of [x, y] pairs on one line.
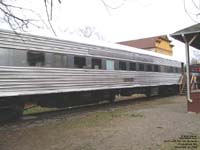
[[151, 125]]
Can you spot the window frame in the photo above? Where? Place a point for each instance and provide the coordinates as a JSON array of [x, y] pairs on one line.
[[79, 66], [139, 67], [122, 65], [35, 54], [149, 68], [156, 68], [130, 66], [93, 65], [113, 64]]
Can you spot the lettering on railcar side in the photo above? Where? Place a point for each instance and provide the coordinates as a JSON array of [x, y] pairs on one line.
[[128, 79]]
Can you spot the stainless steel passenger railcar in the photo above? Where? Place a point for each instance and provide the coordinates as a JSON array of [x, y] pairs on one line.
[[58, 73]]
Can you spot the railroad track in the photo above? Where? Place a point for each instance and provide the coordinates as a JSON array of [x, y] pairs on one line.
[[85, 108], [70, 111]]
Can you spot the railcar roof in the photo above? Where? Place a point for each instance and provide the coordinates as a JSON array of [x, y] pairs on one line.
[[97, 43], [120, 47]]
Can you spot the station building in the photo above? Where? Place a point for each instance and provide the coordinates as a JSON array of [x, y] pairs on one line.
[[159, 44]]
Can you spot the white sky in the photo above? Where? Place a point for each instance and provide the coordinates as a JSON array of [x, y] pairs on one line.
[[135, 19]]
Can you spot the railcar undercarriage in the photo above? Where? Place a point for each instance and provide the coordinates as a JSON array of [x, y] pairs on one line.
[[12, 108]]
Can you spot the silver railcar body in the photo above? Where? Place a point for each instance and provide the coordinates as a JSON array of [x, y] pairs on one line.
[[17, 78]]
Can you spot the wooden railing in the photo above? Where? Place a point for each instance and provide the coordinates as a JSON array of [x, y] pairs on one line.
[[182, 83]]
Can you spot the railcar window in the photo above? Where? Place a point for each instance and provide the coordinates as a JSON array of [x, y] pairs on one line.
[[10, 57], [35, 58], [179, 70], [110, 65], [65, 59], [156, 68], [167, 69], [162, 69], [4, 57], [96, 63], [59, 60], [122, 65], [141, 67], [18, 58], [49, 60], [79, 62], [132, 66], [149, 67], [171, 69], [176, 70]]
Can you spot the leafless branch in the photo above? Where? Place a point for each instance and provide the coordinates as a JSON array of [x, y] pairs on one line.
[[113, 7], [51, 9], [195, 4], [188, 14], [107, 6], [48, 17], [88, 31], [13, 20], [16, 21], [107, 9]]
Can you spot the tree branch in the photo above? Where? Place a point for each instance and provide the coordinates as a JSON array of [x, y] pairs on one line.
[[186, 11], [17, 21], [48, 18], [13, 20], [111, 7]]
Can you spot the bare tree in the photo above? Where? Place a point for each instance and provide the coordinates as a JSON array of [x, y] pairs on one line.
[[192, 9], [16, 21], [49, 13], [8, 14], [108, 6], [86, 32]]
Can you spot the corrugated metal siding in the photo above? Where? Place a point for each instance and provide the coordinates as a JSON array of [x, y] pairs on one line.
[[30, 80], [28, 42], [38, 43], [40, 80]]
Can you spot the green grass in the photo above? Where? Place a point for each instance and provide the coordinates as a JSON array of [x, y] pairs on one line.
[[37, 109], [91, 119], [96, 119]]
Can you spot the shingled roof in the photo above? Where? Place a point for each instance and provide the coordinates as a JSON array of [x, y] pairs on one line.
[[145, 43]]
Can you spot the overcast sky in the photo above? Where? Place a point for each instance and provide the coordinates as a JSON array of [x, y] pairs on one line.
[[132, 20]]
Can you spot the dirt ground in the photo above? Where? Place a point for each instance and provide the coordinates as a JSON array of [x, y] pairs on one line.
[[159, 124]]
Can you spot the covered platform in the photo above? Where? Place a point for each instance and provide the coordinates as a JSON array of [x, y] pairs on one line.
[[191, 37]]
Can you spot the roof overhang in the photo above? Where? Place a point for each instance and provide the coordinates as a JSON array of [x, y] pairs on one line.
[[190, 35]]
